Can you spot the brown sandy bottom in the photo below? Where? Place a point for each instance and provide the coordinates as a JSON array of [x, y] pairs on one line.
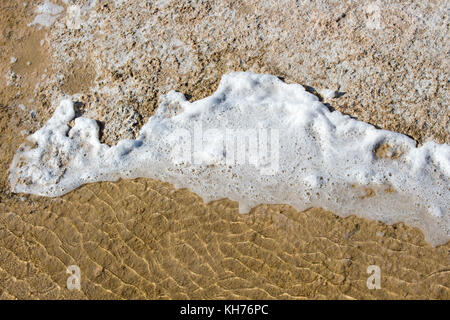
[[145, 239]]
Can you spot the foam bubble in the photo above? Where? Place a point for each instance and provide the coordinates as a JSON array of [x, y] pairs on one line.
[[255, 140], [328, 93]]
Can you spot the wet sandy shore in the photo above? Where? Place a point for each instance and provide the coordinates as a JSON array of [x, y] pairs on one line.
[[146, 239]]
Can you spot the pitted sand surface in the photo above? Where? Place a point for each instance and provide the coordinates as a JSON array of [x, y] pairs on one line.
[[145, 239], [388, 59]]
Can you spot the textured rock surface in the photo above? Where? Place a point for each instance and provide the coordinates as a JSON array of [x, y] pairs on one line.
[[389, 59], [141, 239]]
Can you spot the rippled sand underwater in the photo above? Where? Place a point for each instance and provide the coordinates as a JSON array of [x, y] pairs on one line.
[[145, 239]]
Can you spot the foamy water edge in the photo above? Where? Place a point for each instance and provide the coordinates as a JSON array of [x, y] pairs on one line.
[[312, 157]]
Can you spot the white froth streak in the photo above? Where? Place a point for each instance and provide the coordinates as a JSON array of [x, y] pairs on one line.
[[324, 159]]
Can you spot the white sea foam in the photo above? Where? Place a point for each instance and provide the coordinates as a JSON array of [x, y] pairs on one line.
[[328, 93], [295, 151]]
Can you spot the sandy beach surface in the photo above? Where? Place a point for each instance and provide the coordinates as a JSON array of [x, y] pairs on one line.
[[144, 239]]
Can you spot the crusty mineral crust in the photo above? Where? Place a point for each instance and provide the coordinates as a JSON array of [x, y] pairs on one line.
[[389, 61]]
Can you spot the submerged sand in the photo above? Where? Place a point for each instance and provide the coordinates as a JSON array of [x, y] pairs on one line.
[[146, 239]]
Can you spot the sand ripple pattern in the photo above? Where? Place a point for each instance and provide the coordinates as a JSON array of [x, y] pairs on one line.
[[144, 239]]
